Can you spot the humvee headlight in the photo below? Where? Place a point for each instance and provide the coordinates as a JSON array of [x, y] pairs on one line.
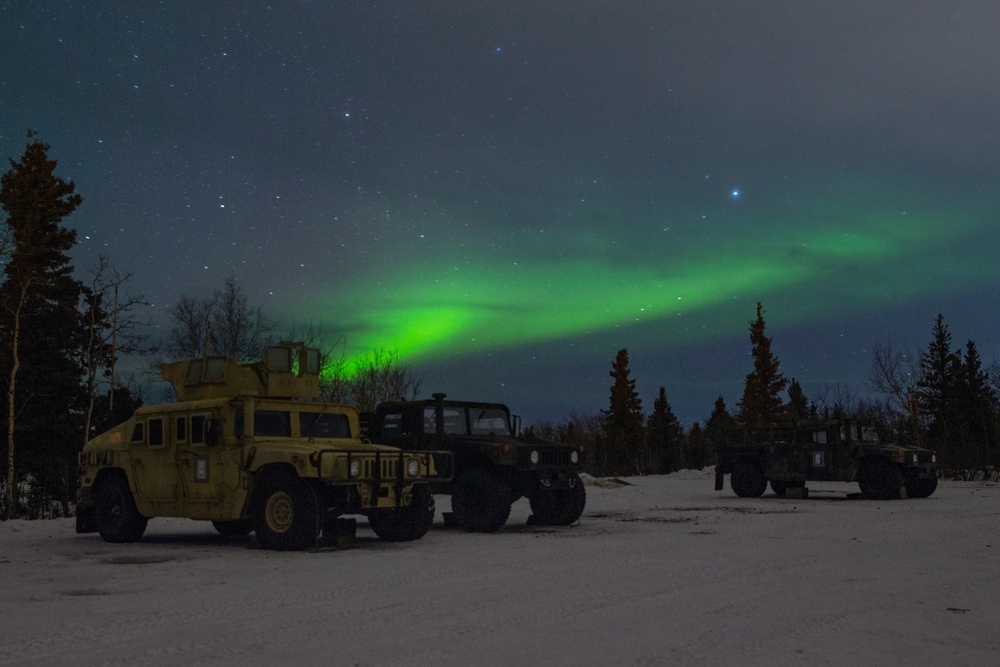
[[914, 458], [574, 457], [413, 468], [355, 469], [534, 457], [933, 458]]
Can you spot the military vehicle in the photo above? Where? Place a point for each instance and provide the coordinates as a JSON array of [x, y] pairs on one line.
[[493, 466], [830, 450], [249, 448]]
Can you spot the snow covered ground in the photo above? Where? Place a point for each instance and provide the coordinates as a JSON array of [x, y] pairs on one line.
[[662, 571]]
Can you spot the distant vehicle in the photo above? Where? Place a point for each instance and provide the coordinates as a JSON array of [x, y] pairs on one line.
[[830, 450], [247, 447], [493, 467]]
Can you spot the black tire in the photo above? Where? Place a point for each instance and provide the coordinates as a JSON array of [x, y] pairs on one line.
[[559, 507], [481, 500], [748, 481], [404, 524], [779, 488], [921, 488], [238, 528], [286, 514], [880, 480], [118, 520]]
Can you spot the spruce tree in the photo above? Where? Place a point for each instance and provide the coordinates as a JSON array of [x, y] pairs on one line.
[[937, 389], [977, 413], [41, 328], [719, 423], [623, 422], [699, 448], [761, 404], [664, 436], [798, 404]]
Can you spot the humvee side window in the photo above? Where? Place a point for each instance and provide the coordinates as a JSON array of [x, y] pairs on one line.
[[180, 429], [819, 437], [321, 425], [137, 433], [197, 429], [155, 432], [274, 423]]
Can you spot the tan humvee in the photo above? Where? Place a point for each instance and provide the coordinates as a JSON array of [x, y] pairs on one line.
[[249, 448]]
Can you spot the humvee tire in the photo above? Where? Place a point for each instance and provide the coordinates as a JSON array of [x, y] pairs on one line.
[[481, 500], [238, 528], [286, 516], [880, 480], [118, 520], [921, 488], [748, 481], [559, 507], [403, 524], [779, 488]]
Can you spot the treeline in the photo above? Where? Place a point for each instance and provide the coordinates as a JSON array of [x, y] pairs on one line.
[[61, 337], [940, 398]]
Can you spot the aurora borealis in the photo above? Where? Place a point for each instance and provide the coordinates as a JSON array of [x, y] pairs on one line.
[[508, 193]]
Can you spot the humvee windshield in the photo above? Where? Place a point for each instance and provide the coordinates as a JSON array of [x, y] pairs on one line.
[[322, 425], [468, 421], [489, 420]]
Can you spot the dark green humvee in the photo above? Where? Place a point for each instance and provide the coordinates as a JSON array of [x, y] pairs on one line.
[[828, 450], [493, 466]]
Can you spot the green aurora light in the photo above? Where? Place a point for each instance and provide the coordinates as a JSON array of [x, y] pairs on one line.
[[447, 309]]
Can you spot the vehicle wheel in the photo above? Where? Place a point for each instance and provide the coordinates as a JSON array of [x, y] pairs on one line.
[[118, 520], [238, 528], [880, 480], [921, 488], [403, 524], [481, 501], [559, 507], [779, 488], [748, 481], [286, 514]]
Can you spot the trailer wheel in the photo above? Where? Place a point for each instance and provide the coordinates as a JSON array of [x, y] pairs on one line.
[[748, 481]]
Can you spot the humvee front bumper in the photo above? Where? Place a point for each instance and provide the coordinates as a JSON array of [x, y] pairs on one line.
[[380, 469]]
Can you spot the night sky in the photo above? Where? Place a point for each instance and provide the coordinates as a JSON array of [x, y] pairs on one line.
[[507, 193]]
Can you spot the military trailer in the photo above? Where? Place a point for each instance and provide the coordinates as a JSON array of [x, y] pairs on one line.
[[251, 449], [493, 466], [829, 450]]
